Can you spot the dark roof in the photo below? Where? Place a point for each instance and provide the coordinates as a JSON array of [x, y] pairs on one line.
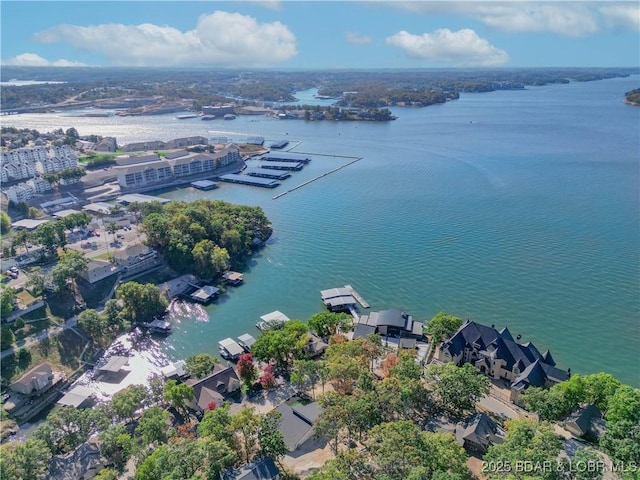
[[77, 463], [214, 387], [537, 373], [260, 469], [296, 422], [362, 330], [391, 317], [480, 431], [581, 420]]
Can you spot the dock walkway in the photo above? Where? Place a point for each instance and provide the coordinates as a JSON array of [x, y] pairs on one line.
[[357, 296]]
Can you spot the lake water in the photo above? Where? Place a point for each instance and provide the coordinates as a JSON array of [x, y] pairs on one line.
[[516, 208]]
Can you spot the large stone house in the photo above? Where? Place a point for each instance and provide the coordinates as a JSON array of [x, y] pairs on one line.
[[496, 354]]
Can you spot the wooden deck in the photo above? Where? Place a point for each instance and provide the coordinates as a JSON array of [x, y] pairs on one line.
[[357, 296]]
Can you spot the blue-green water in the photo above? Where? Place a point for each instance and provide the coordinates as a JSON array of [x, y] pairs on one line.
[[516, 208]]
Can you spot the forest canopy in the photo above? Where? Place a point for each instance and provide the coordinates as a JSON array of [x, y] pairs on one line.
[[206, 237]]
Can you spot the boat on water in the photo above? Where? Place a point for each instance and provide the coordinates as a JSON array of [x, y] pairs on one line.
[[208, 117], [229, 349], [229, 116], [156, 326], [185, 117], [271, 320]]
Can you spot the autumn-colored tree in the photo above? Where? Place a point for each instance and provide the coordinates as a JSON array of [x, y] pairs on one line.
[[246, 369]]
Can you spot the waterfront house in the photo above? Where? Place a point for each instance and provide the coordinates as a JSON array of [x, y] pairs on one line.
[[389, 323], [98, 270], [495, 353], [215, 387], [107, 144], [35, 381]]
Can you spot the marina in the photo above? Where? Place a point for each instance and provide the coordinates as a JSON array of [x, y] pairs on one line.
[[246, 341]]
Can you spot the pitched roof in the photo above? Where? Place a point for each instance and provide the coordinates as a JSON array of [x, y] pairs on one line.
[[581, 420], [480, 430], [260, 469], [296, 422], [222, 381]]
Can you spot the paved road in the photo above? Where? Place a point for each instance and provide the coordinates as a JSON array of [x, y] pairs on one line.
[[50, 332]]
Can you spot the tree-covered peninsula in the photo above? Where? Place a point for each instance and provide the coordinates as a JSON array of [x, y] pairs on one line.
[[205, 237]]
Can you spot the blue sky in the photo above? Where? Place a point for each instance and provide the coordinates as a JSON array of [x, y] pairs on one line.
[[322, 34]]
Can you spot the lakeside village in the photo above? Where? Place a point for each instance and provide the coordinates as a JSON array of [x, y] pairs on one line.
[[349, 393]]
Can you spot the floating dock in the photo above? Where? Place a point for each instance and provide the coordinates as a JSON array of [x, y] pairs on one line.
[[284, 157], [247, 180], [280, 144], [267, 173], [357, 296], [204, 185], [282, 165]]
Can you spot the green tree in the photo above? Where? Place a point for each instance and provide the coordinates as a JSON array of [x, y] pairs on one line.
[[200, 365], [5, 223], [125, 403], [549, 404], [587, 464], [68, 269], [93, 323], [7, 338], [22, 460], [153, 426], [216, 424], [117, 445], [525, 441], [325, 324], [7, 301], [442, 326], [456, 389], [599, 388], [624, 405], [178, 395], [282, 345], [270, 439], [141, 302], [36, 281], [246, 424]]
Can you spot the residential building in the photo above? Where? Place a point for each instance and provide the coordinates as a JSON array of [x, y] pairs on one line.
[[586, 422], [497, 354], [35, 381], [297, 421], [213, 388], [82, 464], [389, 323], [478, 434], [98, 270], [107, 144], [187, 142]]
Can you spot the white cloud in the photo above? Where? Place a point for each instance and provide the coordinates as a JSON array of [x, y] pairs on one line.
[[358, 38], [625, 15], [34, 60], [567, 18], [219, 39], [461, 48]]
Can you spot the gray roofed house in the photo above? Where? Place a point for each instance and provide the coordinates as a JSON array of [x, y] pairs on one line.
[[495, 353], [586, 422], [77, 397], [34, 381], [215, 387], [479, 433], [260, 469], [81, 464], [296, 422], [391, 322]]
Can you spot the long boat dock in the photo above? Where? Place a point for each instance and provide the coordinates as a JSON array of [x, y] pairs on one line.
[[275, 197], [357, 296]]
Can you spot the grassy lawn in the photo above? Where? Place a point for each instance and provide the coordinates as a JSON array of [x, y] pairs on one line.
[[62, 352]]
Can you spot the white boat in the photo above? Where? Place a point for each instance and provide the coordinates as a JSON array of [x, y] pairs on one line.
[[230, 349], [271, 320]]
